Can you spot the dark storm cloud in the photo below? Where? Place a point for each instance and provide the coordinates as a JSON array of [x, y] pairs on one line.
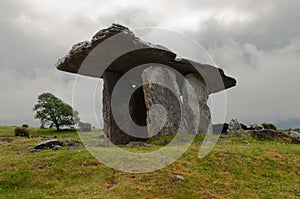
[[255, 41]]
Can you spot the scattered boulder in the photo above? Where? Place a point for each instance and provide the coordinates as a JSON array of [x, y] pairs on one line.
[[178, 176], [269, 126], [71, 143], [255, 127], [295, 137], [234, 125], [49, 144], [34, 150], [244, 127], [56, 147], [267, 134]]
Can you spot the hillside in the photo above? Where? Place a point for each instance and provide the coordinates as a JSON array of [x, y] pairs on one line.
[[236, 168]]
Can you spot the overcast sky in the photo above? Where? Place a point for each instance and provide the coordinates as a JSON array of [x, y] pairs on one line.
[[257, 42]]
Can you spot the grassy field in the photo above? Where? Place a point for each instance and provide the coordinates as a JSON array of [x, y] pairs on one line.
[[236, 168]]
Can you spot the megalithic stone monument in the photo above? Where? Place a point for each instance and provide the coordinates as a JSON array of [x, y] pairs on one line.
[[114, 51]]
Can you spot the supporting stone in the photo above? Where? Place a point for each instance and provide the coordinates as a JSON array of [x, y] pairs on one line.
[[195, 94], [111, 129], [162, 98]]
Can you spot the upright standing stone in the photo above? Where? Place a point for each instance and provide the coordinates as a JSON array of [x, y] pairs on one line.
[[162, 98], [111, 129], [195, 94]]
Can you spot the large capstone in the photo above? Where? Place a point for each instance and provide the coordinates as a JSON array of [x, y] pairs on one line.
[[197, 115], [162, 98]]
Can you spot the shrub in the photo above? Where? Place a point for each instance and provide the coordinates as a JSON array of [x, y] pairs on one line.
[[269, 126], [22, 131], [25, 125]]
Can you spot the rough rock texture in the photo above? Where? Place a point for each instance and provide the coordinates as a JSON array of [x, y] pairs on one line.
[[127, 51], [162, 102], [255, 127], [234, 125], [49, 144], [295, 137], [111, 129], [195, 94], [199, 86], [267, 134]]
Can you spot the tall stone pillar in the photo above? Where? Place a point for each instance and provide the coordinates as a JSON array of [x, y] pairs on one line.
[[162, 102], [111, 129], [194, 122]]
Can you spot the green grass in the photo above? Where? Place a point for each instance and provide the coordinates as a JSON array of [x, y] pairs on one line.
[[236, 168]]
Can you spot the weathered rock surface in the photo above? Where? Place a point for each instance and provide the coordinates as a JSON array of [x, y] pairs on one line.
[[234, 125], [118, 40], [195, 94], [162, 99], [199, 86], [49, 144], [111, 129], [255, 127], [295, 137], [267, 134]]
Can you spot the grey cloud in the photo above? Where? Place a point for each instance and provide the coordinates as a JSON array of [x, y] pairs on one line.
[[262, 52], [270, 28]]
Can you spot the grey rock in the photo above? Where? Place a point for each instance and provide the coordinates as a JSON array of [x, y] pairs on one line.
[[195, 94], [295, 137], [267, 134], [71, 143], [179, 176], [56, 147], [111, 129], [255, 127], [234, 125], [49, 144], [162, 102], [199, 86], [34, 150], [141, 52]]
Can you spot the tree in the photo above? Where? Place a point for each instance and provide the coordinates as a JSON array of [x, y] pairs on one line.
[[52, 111]]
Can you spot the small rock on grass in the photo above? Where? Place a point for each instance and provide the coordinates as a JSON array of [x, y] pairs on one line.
[[34, 150], [179, 176]]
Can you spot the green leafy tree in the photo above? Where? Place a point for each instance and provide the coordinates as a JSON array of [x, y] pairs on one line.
[[52, 111]]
